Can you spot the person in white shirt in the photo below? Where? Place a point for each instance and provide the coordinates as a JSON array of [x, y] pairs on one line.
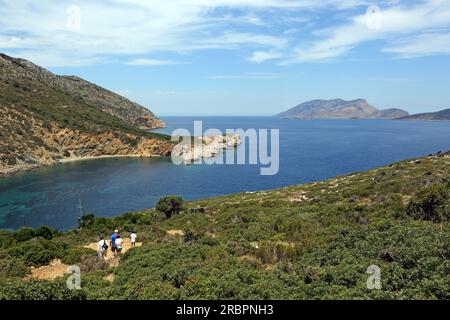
[[119, 244], [102, 248], [133, 237]]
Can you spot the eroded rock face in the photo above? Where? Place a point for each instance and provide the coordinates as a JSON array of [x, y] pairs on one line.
[[45, 119], [132, 113], [27, 142]]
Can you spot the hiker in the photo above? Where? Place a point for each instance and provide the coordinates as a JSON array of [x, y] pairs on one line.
[[113, 240], [119, 244], [102, 248], [133, 237]]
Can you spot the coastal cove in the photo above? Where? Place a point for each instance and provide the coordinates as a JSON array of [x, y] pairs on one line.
[[310, 150]]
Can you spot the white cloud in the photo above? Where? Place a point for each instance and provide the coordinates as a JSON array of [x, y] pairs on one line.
[[43, 30], [421, 45], [151, 62], [262, 56], [393, 24], [271, 29], [252, 76]]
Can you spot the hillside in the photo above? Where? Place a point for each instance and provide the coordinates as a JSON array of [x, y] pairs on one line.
[[340, 109], [48, 118], [20, 72], [443, 115], [313, 241], [392, 113]]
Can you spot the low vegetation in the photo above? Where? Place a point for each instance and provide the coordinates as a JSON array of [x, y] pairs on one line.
[[314, 241], [170, 205], [51, 105]]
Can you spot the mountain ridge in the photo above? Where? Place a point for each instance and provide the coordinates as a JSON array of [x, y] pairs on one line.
[[90, 93]]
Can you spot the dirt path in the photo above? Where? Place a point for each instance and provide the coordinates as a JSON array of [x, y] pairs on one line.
[[175, 232], [58, 269], [54, 270], [111, 258]]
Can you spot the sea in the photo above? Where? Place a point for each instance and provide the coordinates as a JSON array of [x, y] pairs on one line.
[[309, 150]]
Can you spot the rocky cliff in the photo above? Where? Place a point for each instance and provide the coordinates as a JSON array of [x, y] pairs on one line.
[[340, 109], [47, 119]]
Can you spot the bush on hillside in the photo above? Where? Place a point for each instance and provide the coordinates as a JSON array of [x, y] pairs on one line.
[[14, 268], [170, 205], [38, 290], [75, 255], [45, 232], [37, 252], [24, 234], [431, 204], [86, 220]]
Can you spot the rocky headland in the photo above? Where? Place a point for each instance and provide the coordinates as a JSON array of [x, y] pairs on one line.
[[206, 147]]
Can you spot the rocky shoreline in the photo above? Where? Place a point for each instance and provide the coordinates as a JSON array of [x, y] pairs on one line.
[[210, 147], [206, 147], [7, 172], [33, 144]]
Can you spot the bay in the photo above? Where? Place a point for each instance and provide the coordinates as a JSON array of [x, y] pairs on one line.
[[310, 150]]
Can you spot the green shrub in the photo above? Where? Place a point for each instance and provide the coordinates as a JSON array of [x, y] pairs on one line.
[[37, 252], [86, 220], [75, 255], [38, 290], [13, 268], [431, 204], [7, 241], [189, 235], [45, 232], [170, 205], [103, 225], [39, 257], [24, 234], [90, 263]]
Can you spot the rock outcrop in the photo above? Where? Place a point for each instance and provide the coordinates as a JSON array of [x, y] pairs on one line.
[[207, 147]]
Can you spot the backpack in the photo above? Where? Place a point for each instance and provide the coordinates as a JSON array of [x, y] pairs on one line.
[[105, 245]]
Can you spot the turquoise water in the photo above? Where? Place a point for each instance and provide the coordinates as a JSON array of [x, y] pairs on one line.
[[309, 151]]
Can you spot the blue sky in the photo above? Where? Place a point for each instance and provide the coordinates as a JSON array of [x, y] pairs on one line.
[[241, 57]]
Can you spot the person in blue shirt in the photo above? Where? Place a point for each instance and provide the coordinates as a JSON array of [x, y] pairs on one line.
[[113, 240]]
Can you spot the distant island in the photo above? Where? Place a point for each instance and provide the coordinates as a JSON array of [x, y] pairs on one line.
[[443, 115], [341, 109]]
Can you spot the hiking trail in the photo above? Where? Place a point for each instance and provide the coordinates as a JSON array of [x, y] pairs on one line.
[[58, 269]]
